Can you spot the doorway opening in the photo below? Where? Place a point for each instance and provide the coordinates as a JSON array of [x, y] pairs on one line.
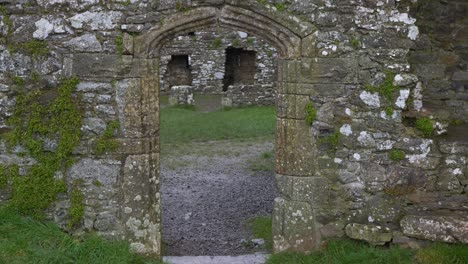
[[217, 163]]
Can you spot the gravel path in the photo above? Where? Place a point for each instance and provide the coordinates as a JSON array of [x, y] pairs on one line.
[[208, 193]]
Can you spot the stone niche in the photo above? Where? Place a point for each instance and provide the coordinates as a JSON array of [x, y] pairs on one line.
[[179, 71], [240, 67]]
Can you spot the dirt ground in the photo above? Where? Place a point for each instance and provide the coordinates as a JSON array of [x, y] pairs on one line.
[[209, 191]]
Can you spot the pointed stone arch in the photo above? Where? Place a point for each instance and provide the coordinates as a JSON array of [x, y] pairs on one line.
[[294, 141], [282, 38]]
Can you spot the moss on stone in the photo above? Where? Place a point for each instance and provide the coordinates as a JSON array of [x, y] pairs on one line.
[[76, 210], [35, 48], [106, 142], [97, 183], [119, 44], [181, 7], [280, 6], [333, 139], [389, 111], [397, 155], [399, 190], [34, 121], [3, 178], [217, 42], [311, 113], [424, 125], [355, 43], [6, 19]]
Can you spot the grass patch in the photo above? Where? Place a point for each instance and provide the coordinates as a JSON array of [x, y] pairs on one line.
[[261, 228], [350, 252], [439, 253], [26, 241], [347, 252], [424, 125], [182, 125], [264, 163]]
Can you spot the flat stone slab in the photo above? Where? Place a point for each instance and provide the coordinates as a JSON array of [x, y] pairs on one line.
[[244, 259]]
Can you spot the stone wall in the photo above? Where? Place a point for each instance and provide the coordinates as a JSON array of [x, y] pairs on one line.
[[362, 73], [207, 56]]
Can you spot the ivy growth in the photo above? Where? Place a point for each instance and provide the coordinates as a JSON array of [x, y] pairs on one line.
[[311, 113], [425, 126], [76, 210], [106, 142], [34, 120]]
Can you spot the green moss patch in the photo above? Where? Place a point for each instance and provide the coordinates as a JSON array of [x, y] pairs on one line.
[[107, 142], [424, 125], [311, 113], [39, 117], [397, 155], [76, 210]]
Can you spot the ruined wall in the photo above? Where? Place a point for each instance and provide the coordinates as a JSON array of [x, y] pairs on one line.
[[207, 51], [366, 90]]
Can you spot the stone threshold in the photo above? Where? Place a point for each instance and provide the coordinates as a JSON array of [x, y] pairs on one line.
[[258, 258]]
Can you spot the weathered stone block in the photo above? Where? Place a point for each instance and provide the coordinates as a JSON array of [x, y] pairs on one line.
[[292, 106], [110, 66], [294, 226], [309, 46], [295, 148], [311, 89], [105, 171], [446, 228], [313, 190], [328, 70], [181, 95], [140, 203], [374, 234]]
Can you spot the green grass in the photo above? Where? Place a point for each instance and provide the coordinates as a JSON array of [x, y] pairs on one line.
[[261, 228], [351, 252], [25, 241], [440, 253], [347, 252], [265, 162], [185, 125]]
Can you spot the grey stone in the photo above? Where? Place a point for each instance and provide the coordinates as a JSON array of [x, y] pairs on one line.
[[105, 222], [96, 20], [86, 42], [43, 29], [374, 234], [89, 170], [181, 95], [93, 125], [446, 228]]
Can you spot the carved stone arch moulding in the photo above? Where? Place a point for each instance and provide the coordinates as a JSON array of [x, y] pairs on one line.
[[281, 37]]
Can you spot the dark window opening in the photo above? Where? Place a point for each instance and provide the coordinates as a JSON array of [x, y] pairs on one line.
[[240, 67], [179, 71]]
